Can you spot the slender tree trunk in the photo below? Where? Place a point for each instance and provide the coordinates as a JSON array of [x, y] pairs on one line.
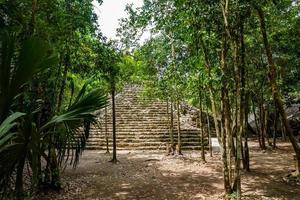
[[113, 89], [210, 89], [226, 174], [209, 134], [202, 140], [244, 102], [283, 135], [262, 126], [275, 128], [201, 124], [168, 119], [238, 154], [266, 122], [246, 163], [201, 127], [172, 126], [170, 122], [106, 131], [256, 124], [67, 65], [226, 133], [241, 125], [178, 129], [170, 145], [274, 87]]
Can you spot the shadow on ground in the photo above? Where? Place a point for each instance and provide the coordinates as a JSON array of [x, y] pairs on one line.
[[146, 175]]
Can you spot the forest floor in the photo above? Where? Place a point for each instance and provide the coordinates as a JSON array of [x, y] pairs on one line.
[[152, 175]]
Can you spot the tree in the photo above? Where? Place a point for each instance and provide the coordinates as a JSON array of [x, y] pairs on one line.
[[107, 61], [274, 87]]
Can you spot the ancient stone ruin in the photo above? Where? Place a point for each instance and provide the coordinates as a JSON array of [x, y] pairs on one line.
[[142, 124]]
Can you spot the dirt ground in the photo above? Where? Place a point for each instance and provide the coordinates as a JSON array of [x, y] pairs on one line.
[[152, 175]]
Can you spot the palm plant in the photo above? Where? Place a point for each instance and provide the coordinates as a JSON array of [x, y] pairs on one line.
[[21, 139]]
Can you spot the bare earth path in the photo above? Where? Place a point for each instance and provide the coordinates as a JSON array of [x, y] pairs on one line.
[[151, 175]]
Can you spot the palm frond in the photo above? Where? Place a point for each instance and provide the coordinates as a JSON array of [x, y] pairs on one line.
[[81, 109], [5, 128], [34, 58], [13, 145], [71, 127]]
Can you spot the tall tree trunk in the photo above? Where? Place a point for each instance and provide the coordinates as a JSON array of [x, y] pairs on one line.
[[258, 130], [201, 126], [275, 128], [244, 102], [172, 125], [267, 124], [246, 163], [226, 133], [170, 145], [211, 95], [262, 125], [209, 134], [283, 134], [113, 90], [274, 87], [170, 121], [240, 72], [178, 129], [106, 130], [238, 152], [210, 89], [67, 65]]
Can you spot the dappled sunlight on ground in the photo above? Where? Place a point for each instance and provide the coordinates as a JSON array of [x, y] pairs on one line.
[[152, 175]]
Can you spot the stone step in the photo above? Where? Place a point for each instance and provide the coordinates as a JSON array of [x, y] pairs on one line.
[[145, 137], [148, 143], [135, 129], [146, 132], [125, 128], [136, 122], [162, 129], [144, 116], [152, 111], [144, 148], [137, 119], [150, 106], [191, 139]]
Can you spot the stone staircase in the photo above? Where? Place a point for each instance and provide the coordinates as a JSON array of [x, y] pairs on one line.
[[141, 124]]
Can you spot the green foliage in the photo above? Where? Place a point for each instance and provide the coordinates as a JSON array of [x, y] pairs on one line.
[[16, 70], [218, 55], [5, 128], [22, 136]]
